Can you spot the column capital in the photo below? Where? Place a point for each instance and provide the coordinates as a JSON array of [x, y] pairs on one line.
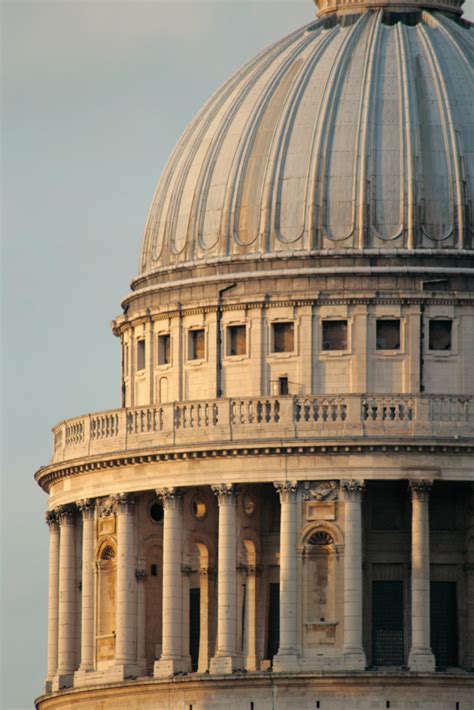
[[225, 492], [287, 490], [51, 519], [170, 497], [86, 507], [66, 514], [123, 502], [420, 489], [353, 490]]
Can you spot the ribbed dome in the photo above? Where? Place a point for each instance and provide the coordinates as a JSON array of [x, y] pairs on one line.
[[348, 134]]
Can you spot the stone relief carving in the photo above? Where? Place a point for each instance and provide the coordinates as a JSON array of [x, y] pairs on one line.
[[321, 491]]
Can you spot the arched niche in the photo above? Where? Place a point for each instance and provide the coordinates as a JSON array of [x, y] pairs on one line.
[[152, 555], [321, 580], [106, 564], [199, 592]]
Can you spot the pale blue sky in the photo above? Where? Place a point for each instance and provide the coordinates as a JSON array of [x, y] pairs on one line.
[[94, 96]]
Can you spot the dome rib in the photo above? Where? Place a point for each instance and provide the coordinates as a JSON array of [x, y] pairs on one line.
[[348, 136]]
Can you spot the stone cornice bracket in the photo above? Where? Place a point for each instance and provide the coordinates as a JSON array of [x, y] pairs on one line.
[[170, 497], [87, 507], [287, 490], [420, 489], [353, 490], [226, 493], [123, 502], [51, 519], [66, 513], [321, 491]]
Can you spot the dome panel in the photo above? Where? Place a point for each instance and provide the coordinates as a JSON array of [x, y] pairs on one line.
[[344, 135]]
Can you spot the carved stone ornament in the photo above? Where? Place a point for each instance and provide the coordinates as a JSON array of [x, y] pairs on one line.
[[170, 497], [66, 513], [287, 490], [123, 502], [420, 489], [321, 491], [248, 504], [86, 506], [353, 489], [321, 538], [106, 506], [51, 518], [225, 493]]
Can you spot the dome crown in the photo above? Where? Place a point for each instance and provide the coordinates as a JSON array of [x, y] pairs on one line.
[[349, 135]]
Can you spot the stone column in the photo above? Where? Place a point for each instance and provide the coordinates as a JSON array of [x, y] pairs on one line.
[[251, 620], [125, 604], [225, 660], [87, 613], [67, 598], [420, 657], [171, 660], [354, 655], [53, 597], [287, 657], [141, 575]]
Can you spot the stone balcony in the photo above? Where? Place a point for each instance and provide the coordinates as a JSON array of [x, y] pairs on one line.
[[251, 421]]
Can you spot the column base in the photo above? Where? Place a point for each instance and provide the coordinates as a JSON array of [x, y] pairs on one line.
[[223, 665], [286, 663], [250, 663], [354, 660], [61, 681], [166, 667], [422, 661], [112, 674]]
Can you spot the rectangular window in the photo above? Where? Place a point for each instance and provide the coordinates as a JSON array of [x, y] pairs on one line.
[[196, 349], [440, 334], [334, 335], [141, 354], [388, 334], [164, 349], [153, 570], [236, 340], [283, 337]]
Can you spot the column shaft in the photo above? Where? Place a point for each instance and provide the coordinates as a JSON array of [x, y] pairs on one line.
[[87, 615], [126, 616], [287, 658], [226, 656], [353, 648], [53, 597], [421, 657], [67, 598], [171, 660]]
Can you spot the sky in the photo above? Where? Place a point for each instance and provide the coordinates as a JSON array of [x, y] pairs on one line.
[[95, 95]]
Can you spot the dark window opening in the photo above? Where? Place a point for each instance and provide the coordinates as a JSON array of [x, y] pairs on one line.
[[141, 354], [442, 508], [444, 624], [388, 334], [196, 345], [283, 337], [156, 512], [153, 570], [388, 510], [194, 626], [440, 334], [273, 620], [164, 349], [335, 335], [387, 624], [236, 340], [283, 386]]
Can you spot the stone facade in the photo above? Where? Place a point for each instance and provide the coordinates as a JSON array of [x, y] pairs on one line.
[[281, 513]]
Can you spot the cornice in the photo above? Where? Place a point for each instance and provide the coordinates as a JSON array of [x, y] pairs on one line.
[[46, 475]]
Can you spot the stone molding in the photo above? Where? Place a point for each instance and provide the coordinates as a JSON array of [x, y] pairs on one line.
[[287, 490], [352, 490], [420, 489], [226, 493]]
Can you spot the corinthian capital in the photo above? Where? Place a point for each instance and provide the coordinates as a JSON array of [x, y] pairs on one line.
[[86, 506], [420, 489], [287, 490], [353, 489], [66, 514], [51, 518], [123, 502], [170, 497], [225, 493]]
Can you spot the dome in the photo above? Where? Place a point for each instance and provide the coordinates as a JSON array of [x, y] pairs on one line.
[[354, 133]]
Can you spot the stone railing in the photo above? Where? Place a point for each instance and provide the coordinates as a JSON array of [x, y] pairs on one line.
[[253, 420]]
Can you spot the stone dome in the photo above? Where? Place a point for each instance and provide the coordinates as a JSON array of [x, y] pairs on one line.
[[353, 134]]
